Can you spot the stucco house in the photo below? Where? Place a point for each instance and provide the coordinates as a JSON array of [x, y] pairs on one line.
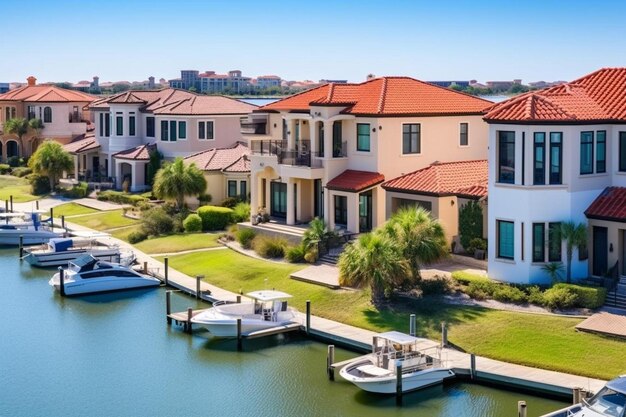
[[555, 155], [328, 150]]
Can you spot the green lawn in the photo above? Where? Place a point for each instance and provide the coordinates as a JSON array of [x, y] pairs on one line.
[[123, 233], [72, 209], [547, 342], [178, 243], [16, 187], [104, 220]]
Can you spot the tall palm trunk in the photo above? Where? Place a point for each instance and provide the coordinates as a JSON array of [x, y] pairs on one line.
[[570, 251]]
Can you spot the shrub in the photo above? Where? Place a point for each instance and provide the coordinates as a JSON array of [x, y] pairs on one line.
[[436, 285], [121, 197], [230, 202], [470, 223], [270, 247], [559, 297], [241, 213], [296, 254], [311, 255], [476, 244], [509, 294], [21, 172], [214, 217], [77, 191], [586, 297], [39, 185], [136, 237], [5, 169], [156, 222], [15, 161], [466, 278], [192, 223], [535, 295], [245, 237], [204, 199], [481, 289]]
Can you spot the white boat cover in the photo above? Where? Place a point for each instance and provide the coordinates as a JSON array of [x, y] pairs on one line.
[[268, 295], [398, 338]]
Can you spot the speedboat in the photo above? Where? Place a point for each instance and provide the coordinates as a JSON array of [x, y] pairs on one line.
[[33, 231], [376, 372], [87, 275], [266, 310], [609, 401], [60, 251]]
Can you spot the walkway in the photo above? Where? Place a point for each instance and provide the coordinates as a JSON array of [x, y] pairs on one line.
[[445, 268], [187, 251], [325, 275], [99, 205], [605, 323]]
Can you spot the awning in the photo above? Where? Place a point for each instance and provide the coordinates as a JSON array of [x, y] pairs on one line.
[[355, 181]]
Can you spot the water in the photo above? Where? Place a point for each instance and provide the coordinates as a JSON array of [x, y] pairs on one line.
[[114, 355], [257, 101]]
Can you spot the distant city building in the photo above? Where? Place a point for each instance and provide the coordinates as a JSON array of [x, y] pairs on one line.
[[4, 87], [324, 81], [503, 85], [544, 84], [447, 84], [268, 81]]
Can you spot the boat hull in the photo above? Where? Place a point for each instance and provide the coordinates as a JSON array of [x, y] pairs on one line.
[[228, 328], [29, 237], [92, 286], [62, 258]]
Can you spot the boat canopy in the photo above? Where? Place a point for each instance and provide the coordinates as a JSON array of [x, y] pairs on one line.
[[60, 244], [399, 338], [88, 263], [267, 295], [11, 215], [618, 384], [88, 234]]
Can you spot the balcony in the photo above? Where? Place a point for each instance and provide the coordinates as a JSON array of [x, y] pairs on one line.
[[300, 157], [75, 117]]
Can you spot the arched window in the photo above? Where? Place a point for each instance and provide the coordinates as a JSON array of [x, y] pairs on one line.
[[47, 114], [12, 149]]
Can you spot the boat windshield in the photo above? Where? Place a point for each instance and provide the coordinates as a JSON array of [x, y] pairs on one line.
[[608, 402]]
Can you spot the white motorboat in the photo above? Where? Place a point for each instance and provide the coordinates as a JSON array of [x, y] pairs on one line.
[[60, 251], [610, 401], [376, 372], [30, 227], [268, 309], [88, 275]]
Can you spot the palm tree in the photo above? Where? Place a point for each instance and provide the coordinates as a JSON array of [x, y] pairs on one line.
[[177, 180], [554, 270], [574, 235], [36, 125], [421, 238], [317, 232], [51, 160], [372, 260], [17, 126]]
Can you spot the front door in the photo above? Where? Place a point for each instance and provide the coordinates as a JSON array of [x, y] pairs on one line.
[[600, 251], [95, 164], [278, 200], [365, 212]]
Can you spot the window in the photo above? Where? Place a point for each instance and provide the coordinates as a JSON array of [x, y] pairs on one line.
[[172, 130], [505, 235], [10, 113], [101, 120], [506, 157], [119, 125], [182, 130], [411, 138], [209, 130], [164, 130], [47, 114], [556, 157], [232, 188], [622, 151], [107, 125], [31, 112], [201, 131], [601, 151], [464, 138], [338, 148], [363, 137], [539, 242], [131, 124], [539, 157], [341, 210], [284, 129], [150, 127], [586, 153], [320, 138], [243, 190], [554, 242]]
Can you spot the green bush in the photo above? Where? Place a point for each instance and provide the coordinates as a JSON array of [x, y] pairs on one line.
[[5, 169], [559, 297], [241, 213], [481, 289], [192, 223], [15, 161], [296, 254], [535, 295], [476, 244], [466, 278], [245, 237], [21, 172], [436, 285], [509, 294], [214, 217], [157, 222], [230, 202], [311, 255], [470, 223], [586, 297], [78, 191], [39, 185], [121, 197], [204, 199], [270, 247], [136, 237]]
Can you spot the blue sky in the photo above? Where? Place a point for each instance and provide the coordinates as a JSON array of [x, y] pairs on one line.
[[431, 40]]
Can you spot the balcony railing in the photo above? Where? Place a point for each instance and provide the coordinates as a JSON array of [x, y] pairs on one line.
[[75, 117], [300, 159], [340, 150], [302, 156]]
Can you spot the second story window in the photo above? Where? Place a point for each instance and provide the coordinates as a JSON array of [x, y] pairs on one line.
[[464, 134], [539, 158], [164, 131], [10, 113], [338, 150], [172, 130], [622, 152], [101, 123], [601, 151], [363, 137], [131, 124], [205, 130], [107, 125], [411, 139], [506, 157], [150, 127], [556, 158], [586, 153], [182, 130], [284, 129], [47, 114], [31, 112], [119, 124]]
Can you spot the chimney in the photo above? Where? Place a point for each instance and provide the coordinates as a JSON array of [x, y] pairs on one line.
[[31, 81]]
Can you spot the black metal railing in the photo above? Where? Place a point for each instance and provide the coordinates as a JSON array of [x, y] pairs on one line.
[[75, 117], [300, 159], [301, 156], [267, 147], [340, 150]]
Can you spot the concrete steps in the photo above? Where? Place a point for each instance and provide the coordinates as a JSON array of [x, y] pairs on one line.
[[616, 300]]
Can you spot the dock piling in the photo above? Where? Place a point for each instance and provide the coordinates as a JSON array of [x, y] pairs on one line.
[[63, 221], [145, 267], [21, 246], [62, 282], [522, 410], [444, 334], [168, 306], [412, 325], [37, 204], [374, 343], [51, 217], [166, 262], [189, 316], [308, 317], [330, 359], [472, 366], [11, 200], [6, 206], [198, 281], [239, 299], [399, 382], [576, 397], [239, 338]]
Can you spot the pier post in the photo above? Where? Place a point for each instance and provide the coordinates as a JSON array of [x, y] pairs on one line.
[[6, 206], [198, 280], [576, 398], [522, 410], [21, 246], [189, 316], [308, 317], [51, 217], [11, 200], [145, 267], [472, 366], [444, 334], [374, 343], [239, 340], [37, 204], [399, 382], [62, 282], [412, 325], [63, 221], [168, 306], [330, 359], [166, 270], [238, 299]]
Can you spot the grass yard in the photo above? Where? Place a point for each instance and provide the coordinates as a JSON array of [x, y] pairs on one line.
[[547, 342], [123, 233], [72, 209], [178, 243], [104, 220], [19, 188]]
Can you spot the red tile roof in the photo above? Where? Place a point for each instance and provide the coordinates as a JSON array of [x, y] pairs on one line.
[[46, 94], [599, 96], [386, 96], [609, 205], [82, 144], [462, 178], [233, 159], [355, 181], [139, 153]]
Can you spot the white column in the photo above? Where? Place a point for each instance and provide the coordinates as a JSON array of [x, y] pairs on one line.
[[76, 167], [329, 209], [255, 201], [118, 174], [328, 139], [313, 136], [353, 213], [291, 134], [291, 218]]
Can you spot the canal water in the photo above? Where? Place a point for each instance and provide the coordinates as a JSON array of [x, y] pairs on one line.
[[114, 355]]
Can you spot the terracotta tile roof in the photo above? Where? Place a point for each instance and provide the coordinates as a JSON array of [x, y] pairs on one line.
[[463, 178], [82, 144], [609, 205], [46, 94], [355, 181], [599, 96], [233, 159], [139, 153], [171, 101], [386, 96]]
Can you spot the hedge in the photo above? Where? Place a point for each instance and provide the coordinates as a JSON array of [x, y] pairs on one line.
[[466, 278], [193, 223], [215, 217], [121, 197], [586, 297]]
